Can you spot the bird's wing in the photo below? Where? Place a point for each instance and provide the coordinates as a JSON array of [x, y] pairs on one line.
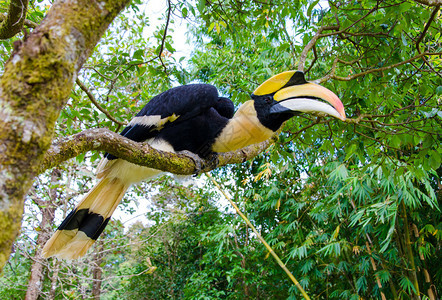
[[169, 108]]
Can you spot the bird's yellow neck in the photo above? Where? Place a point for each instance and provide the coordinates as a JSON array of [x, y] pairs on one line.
[[243, 129]]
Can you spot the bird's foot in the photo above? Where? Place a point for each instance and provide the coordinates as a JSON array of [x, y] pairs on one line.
[[213, 159], [196, 159]]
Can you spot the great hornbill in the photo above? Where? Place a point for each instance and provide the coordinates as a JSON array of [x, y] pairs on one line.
[[188, 118]]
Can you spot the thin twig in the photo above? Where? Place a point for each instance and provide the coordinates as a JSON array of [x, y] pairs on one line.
[[311, 43], [430, 2], [332, 75], [315, 58], [169, 10], [97, 105], [351, 25], [427, 26]]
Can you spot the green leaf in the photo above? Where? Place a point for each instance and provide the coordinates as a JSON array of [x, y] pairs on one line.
[[350, 151], [138, 54], [201, 5], [434, 159], [169, 47], [404, 39], [311, 6], [383, 275], [212, 25], [407, 285], [184, 12]]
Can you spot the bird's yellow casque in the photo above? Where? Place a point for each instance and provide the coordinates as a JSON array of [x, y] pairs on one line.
[[278, 85]]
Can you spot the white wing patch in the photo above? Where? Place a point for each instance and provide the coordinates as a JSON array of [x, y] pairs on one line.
[[154, 120]]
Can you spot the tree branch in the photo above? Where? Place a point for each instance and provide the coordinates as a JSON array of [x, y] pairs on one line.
[[351, 25], [312, 43], [332, 75], [97, 105], [315, 58], [430, 2], [13, 22], [427, 26], [142, 154], [27, 22], [319, 35], [169, 10], [35, 85]]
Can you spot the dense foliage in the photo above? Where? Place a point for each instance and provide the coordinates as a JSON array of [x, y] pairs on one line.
[[352, 208]]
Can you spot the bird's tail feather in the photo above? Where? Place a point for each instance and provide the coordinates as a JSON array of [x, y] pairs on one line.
[[87, 221]]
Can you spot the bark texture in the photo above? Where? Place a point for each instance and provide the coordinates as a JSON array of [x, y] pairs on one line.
[[47, 210], [142, 154], [13, 21], [34, 87], [97, 270]]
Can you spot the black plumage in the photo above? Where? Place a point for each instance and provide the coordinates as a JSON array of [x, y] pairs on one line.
[[200, 116]]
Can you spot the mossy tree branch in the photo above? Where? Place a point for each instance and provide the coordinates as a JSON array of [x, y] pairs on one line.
[[13, 22], [102, 139], [26, 22], [34, 87]]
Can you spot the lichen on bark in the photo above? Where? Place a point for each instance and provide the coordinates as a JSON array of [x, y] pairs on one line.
[[12, 23], [102, 139], [34, 87]]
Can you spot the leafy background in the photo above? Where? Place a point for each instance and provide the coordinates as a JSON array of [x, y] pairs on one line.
[[352, 208]]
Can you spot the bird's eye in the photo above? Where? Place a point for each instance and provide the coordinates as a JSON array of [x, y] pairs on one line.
[[269, 99]]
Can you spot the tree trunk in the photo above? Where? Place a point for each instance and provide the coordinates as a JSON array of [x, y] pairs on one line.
[[432, 292], [411, 269], [54, 279], [47, 217], [34, 87], [97, 271]]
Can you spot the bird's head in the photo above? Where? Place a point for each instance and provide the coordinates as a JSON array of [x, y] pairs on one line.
[[287, 94]]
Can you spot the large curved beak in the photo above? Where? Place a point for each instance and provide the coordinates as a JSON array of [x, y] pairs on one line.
[[297, 98], [294, 94]]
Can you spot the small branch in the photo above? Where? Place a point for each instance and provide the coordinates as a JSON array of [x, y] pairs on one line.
[[319, 35], [27, 22], [102, 75], [169, 10], [13, 22], [332, 75], [430, 2], [97, 105], [427, 26], [142, 154], [312, 43], [315, 58], [351, 25], [112, 85], [318, 121], [365, 34]]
